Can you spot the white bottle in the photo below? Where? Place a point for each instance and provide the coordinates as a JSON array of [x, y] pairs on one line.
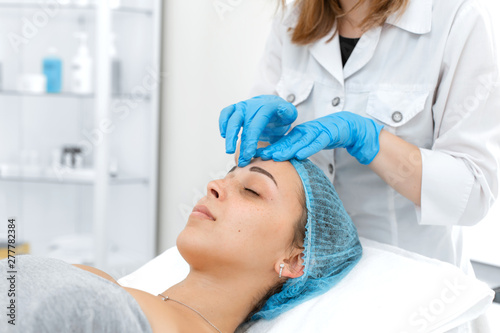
[[116, 77], [81, 67]]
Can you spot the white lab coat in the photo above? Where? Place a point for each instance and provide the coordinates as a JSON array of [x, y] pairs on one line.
[[431, 78]]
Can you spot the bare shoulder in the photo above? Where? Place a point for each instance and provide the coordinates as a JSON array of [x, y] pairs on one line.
[[160, 317], [96, 272], [168, 316]]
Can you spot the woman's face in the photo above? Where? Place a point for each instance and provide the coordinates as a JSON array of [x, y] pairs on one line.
[[246, 221]]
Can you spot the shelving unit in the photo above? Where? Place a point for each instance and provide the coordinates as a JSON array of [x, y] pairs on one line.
[[14, 93], [70, 6], [119, 211]]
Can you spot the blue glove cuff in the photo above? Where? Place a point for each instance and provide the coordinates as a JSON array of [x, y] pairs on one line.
[[367, 145]]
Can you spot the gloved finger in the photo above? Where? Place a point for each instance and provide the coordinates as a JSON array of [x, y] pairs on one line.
[[285, 114], [315, 146], [281, 144], [224, 116], [258, 153], [234, 124], [289, 151], [273, 134], [253, 130], [243, 162], [249, 142]]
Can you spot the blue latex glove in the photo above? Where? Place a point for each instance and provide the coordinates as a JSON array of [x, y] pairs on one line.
[[358, 134], [264, 118]]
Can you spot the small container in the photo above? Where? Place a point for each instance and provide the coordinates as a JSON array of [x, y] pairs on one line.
[[82, 67], [78, 161], [32, 83], [113, 167], [116, 75], [52, 69]]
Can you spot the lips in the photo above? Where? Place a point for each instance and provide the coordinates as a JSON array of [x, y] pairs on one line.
[[203, 210]]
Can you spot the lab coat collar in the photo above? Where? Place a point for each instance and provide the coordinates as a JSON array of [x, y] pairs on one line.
[[417, 17], [328, 54]]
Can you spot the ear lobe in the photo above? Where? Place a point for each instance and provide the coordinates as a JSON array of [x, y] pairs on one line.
[[293, 266]]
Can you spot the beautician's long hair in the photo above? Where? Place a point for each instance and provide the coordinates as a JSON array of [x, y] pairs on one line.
[[317, 17]]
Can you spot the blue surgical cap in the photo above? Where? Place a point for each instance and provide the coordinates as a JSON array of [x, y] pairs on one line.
[[332, 247]]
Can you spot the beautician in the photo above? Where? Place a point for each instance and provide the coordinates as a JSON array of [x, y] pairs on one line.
[[410, 89]]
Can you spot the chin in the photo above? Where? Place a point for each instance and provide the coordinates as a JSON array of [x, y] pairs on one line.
[[191, 246], [201, 253]]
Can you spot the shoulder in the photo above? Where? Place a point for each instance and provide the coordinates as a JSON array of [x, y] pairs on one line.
[[96, 272], [161, 317], [167, 317], [459, 9]]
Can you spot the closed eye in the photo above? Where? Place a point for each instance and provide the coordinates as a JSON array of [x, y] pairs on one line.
[[252, 191]]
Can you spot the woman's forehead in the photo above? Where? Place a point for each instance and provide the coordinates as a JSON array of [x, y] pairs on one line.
[[284, 173]]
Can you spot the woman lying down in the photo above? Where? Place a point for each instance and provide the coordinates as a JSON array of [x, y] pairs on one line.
[[264, 239]]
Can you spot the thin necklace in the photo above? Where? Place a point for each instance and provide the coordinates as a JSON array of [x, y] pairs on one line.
[[166, 298]]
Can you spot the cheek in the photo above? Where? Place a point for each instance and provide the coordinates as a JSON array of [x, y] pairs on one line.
[[262, 232]]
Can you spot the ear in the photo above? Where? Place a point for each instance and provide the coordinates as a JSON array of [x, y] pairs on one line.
[[293, 265]]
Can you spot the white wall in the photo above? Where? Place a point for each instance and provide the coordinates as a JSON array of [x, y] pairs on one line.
[[210, 56]]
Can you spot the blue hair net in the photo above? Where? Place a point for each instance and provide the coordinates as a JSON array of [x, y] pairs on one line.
[[332, 247]]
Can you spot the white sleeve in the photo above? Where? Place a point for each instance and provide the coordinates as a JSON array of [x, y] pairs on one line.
[[460, 172], [269, 69]]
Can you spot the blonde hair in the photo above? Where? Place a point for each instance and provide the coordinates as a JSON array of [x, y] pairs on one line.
[[317, 17]]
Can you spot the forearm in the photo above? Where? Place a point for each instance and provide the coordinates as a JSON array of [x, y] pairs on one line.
[[399, 164]]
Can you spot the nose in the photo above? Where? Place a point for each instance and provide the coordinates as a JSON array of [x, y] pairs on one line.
[[215, 189]]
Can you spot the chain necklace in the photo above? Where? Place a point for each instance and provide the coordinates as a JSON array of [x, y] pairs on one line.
[[166, 298]]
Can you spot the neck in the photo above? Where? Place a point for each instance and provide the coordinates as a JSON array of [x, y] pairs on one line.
[[350, 25], [225, 302]]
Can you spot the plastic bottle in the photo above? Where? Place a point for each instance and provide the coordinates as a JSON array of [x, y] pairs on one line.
[[81, 67], [116, 75], [52, 69]]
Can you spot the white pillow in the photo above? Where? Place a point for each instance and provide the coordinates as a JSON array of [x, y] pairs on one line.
[[389, 290]]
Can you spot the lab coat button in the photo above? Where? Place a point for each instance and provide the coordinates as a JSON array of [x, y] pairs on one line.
[[336, 101], [330, 168], [397, 116], [290, 98]]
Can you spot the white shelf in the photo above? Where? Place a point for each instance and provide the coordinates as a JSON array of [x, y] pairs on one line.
[[90, 7], [73, 179], [14, 93]]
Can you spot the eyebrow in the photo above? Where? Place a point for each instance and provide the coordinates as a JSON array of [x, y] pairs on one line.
[[259, 170]]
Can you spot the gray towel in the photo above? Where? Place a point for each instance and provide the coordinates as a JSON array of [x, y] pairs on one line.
[[54, 296]]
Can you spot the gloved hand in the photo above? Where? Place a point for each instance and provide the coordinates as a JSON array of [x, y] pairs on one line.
[[264, 118], [358, 134]]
